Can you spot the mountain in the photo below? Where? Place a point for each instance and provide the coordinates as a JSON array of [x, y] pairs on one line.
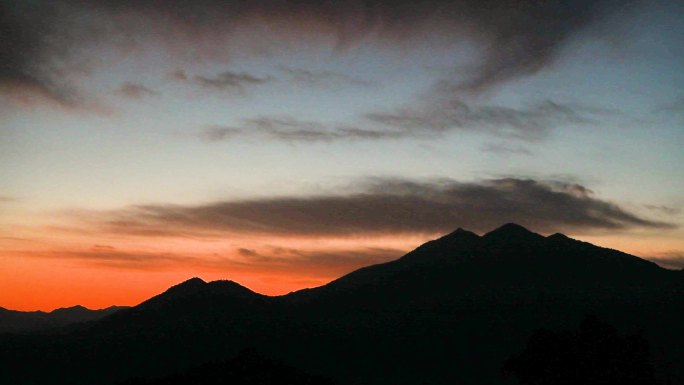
[[451, 311], [29, 321], [247, 368]]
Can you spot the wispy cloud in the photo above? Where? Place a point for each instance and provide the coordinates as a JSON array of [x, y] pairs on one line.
[[502, 148], [664, 210], [441, 113], [136, 91], [231, 81], [271, 259], [219, 133], [290, 129], [111, 257], [384, 206], [330, 261], [322, 78], [431, 118], [43, 40], [670, 260]]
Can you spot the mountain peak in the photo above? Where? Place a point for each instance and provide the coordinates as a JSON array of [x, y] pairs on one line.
[[77, 308], [460, 233], [512, 231], [191, 284], [558, 236], [230, 287], [193, 281]]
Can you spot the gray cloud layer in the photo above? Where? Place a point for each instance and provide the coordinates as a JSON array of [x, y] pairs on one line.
[[443, 114], [290, 129], [517, 37], [135, 91], [231, 81], [269, 259], [431, 118], [329, 262], [387, 207], [670, 260], [322, 78]]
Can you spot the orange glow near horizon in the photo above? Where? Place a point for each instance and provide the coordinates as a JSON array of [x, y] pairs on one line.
[[54, 273], [29, 285]]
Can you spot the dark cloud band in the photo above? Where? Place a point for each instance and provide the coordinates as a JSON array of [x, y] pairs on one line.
[[387, 207]]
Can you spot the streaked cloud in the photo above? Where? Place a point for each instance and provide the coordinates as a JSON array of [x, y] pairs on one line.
[[231, 81], [664, 210], [218, 133], [440, 113], [329, 262], [384, 206], [322, 78], [670, 260], [290, 129], [430, 119], [271, 259], [502, 148], [43, 41], [135, 91]]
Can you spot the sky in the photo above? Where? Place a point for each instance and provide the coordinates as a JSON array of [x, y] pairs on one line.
[[283, 144]]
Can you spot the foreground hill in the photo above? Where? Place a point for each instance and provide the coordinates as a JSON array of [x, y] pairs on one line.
[[451, 311], [28, 321], [247, 368]]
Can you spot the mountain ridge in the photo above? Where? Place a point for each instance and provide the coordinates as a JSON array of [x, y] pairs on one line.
[[452, 309], [14, 321]]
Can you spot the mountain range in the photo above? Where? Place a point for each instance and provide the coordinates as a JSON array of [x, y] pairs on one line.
[[12, 321], [449, 312]]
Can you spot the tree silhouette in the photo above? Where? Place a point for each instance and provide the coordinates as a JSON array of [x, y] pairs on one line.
[[594, 355]]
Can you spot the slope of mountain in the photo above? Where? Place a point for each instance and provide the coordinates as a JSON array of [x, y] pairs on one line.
[[28, 321], [247, 368], [451, 311]]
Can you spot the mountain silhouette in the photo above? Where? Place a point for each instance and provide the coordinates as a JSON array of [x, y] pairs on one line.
[[247, 368], [29, 321], [450, 311], [596, 354]]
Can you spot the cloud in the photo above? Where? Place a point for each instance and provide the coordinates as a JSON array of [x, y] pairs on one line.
[[231, 81], [108, 256], [17, 50], [670, 260], [37, 38], [430, 119], [135, 91], [505, 149], [328, 262], [290, 129], [444, 112], [315, 262], [322, 78], [44, 40], [384, 206], [218, 133], [664, 210]]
